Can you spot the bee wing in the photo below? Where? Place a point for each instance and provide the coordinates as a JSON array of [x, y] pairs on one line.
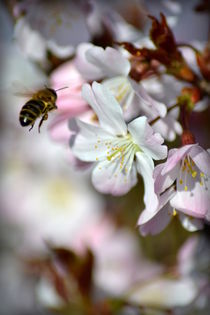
[[24, 94], [20, 90]]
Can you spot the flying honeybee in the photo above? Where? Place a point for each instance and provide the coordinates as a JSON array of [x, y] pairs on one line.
[[40, 104]]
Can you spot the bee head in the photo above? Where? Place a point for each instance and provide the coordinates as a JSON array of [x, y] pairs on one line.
[[53, 93]]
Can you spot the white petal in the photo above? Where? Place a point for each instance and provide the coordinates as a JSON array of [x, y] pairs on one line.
[[195, 201], [145, 167], [201, 158], [89, 144], [110, 61], [162, 182], [108, 178], [190, 224], [176, 157], [168, 127], [106, 108], [157, 223], [32, 44], [88, 70], [150, 104], [124, 94], [151, 213], [144, 136]]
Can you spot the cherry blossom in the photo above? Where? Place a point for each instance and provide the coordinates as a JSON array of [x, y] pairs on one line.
[[117, 150], [183, 187]]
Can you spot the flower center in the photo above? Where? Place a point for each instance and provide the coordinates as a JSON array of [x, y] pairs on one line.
[[189, 172], [121, 151]]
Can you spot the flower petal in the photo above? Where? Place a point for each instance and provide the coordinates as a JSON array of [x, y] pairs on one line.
[[176, 157], [110, 61], [168, 127], [201, 158], [89, 144], [151, 213], [88, 70], [195, 201], [145, 167], [164, 292], [108, 178], [156, 224], [147, 141], [190, 224], [162, 182], [124, 94], [150, 105], [106, 108]]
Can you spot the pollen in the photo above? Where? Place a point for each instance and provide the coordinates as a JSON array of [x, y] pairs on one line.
[[188, 169], [174, 212], [194, 174]]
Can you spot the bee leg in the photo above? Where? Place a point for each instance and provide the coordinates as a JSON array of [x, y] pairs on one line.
[[44, 117], [31, 127]]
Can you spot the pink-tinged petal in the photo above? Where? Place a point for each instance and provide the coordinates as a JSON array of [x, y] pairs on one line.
[[74, 104], [150, 104], [201, 158], [107, 109], [66, 75], [190, 224], [162, 182], [144, 136], [88, 70], [70, 98], [108, 178], [89, 144], [109, 60], [145, 167], [157, 223], [151, 213], [195, 201], [176, 157]]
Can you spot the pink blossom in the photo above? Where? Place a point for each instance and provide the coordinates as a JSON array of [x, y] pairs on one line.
[[70, 102], [182, 184]]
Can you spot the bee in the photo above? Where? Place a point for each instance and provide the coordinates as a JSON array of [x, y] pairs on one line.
[[41, 103]]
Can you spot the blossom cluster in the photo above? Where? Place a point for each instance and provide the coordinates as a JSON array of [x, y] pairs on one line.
[[121, 129], [122, 157]]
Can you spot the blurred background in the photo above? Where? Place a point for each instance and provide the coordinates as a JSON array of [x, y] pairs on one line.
[[45, 201]]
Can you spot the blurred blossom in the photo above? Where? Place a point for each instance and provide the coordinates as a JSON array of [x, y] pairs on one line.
[[50, 207], [53, 27], [119, 264], [165, 292], [70, 102]]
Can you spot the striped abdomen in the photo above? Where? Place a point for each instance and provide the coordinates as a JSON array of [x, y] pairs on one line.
[[31, 111]]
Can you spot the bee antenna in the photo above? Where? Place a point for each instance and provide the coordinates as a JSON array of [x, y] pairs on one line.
[[65, 87]]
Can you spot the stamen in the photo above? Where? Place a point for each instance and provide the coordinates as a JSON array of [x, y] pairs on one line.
[[174, 212]]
